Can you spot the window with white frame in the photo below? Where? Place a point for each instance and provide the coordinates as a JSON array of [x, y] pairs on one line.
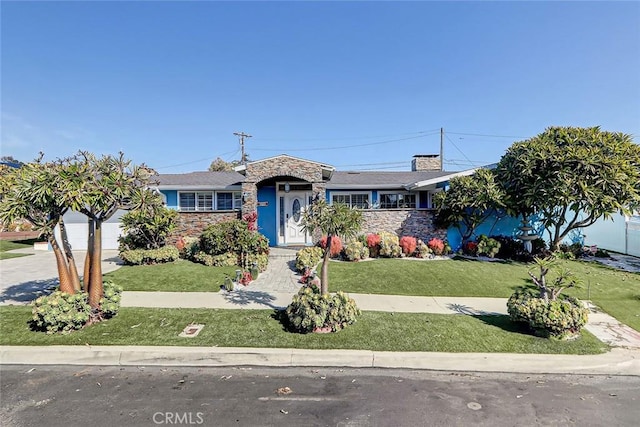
[[398, 200], [204, 200], [354, 200]]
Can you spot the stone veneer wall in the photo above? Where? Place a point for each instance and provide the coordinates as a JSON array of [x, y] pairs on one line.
[[281, 166], [192, 224], [403, 222]]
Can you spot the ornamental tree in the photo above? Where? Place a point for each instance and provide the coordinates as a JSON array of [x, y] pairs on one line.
[[469, 201], [570, 177], [331, 220], [35, 192], [98, 187]]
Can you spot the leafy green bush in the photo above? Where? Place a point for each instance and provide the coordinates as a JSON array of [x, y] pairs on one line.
[[559, 318], [223, 260], [356, 251], [147, 228], [60, 312], [389, 245], [249, 247], [422, 250], [310, 310], [487, 246], [150, 256], [188, 247], [308, 258], [110, 302]]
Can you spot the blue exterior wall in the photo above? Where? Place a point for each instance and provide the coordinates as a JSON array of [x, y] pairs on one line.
[[267, 214], [172, 198], [507, 226]]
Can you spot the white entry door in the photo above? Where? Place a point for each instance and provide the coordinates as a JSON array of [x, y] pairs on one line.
[[294, 207]]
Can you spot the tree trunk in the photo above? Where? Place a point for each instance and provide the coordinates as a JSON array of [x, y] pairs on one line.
[[86, 277], [66, 285], [324, 272], [71, 262], [95, 279]]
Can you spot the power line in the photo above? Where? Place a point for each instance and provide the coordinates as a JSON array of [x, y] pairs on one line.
[[456, 147], [341, 147], [418, 133], [488, 136], [196, 161]]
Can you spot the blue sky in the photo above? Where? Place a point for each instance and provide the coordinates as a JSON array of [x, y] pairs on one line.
[[358, 85]]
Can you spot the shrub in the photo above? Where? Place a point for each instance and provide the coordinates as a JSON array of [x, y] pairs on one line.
[[422, 250], [336, 245], [308, 258], [408, 245], [60, 312], [232, 236], [487, 246], [356, 251], [110, 302], [389, 245], [190, 247], [150, 256], [470, 248], [228, 259], [436, 245], [310, 309], [373, 243], [261, 260], [559, 318], [147, 228]]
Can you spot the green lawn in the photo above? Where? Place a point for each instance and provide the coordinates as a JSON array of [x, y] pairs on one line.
[[616, 292], [261, 328], [6, 245], [182, 276]]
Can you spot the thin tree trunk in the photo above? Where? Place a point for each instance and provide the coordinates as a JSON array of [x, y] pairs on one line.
[[95, 281], [71, 262], [324, 272], [86, 277], [66, 285]]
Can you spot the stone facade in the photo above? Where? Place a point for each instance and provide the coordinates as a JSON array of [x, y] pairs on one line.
[[426, 162], [283, 166], [419, 223], [192, 224]]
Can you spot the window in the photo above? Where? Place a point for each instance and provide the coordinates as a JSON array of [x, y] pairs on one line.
[[398, 200], [354, 200], [204, 200]]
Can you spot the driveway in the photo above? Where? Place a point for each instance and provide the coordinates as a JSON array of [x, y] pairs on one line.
[[25, 278]]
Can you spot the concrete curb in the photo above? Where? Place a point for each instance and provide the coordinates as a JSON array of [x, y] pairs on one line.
[[618, 361]]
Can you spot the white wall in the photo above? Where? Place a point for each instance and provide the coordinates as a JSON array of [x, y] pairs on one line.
[[77, 231]]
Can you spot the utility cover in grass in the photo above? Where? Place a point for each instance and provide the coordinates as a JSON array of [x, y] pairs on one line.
[[191, 331]]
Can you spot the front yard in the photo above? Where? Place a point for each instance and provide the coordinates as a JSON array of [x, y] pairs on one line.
[[6, 245], [262, 328]]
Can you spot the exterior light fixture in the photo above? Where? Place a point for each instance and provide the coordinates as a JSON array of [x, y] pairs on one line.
[[287, 187]]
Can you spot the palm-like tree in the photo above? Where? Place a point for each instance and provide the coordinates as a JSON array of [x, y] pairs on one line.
[[331, 220]]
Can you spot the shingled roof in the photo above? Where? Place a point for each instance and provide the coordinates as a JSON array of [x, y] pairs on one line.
[[205, 179]]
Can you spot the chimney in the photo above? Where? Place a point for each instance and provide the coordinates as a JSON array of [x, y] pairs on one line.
[[426, 162]]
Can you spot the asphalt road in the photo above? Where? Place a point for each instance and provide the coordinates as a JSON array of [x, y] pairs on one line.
[[116, 396]]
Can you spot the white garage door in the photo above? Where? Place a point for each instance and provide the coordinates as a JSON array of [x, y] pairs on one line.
[[77, 231]]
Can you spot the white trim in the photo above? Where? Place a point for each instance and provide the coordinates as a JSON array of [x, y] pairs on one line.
[[349, 193], [412, 193], [198, 187], [214, 201], [445, 178]]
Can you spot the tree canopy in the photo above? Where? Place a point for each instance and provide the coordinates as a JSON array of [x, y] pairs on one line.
[[219, 165], [469, 201], [570, 177]]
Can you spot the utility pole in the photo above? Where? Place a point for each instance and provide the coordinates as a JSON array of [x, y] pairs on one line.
[[242, 136], [441, 149]]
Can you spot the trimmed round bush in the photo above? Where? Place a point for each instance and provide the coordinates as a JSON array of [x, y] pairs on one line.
[[408, 244], [336, 245], [389, 245], [310, 310], [356, 251], [560, 318], [110, 302]]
